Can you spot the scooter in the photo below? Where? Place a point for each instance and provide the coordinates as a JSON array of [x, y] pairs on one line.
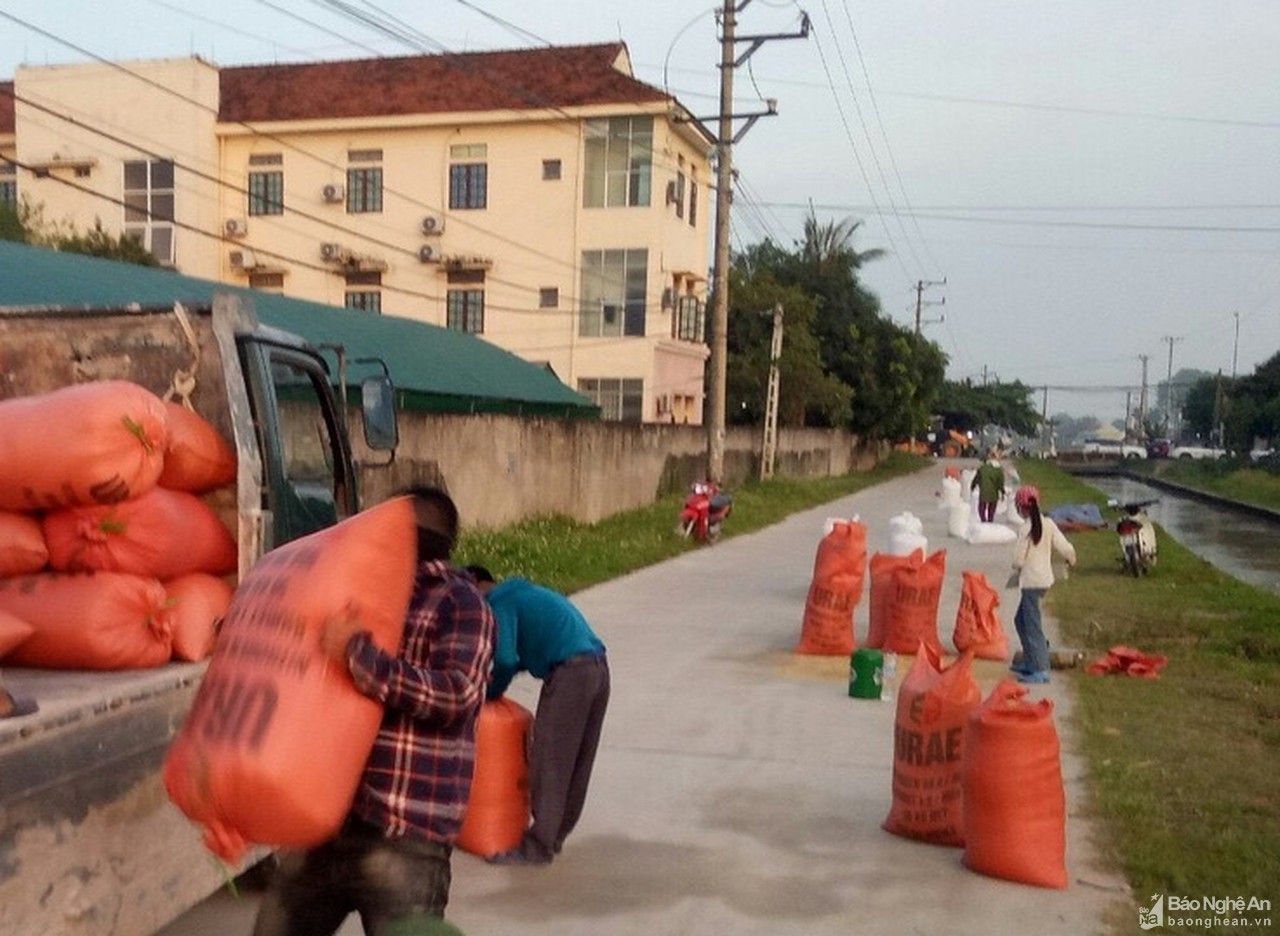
[[705, 510], [1137, 537]]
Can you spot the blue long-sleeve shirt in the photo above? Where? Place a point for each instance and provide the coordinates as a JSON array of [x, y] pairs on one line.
[[537, 629]]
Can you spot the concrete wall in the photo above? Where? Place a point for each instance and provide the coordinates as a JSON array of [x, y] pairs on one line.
[[502, 469]]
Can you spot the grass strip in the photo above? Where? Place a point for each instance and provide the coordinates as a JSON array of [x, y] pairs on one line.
[[1184, 768], [569, 555], [1235, 480]]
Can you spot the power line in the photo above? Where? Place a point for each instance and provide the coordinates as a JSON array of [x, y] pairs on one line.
[[227, 27], [848, 132], [519, 31], [1032, 105], [1082, 208], [884, 133], [347, 40], [866, 133]]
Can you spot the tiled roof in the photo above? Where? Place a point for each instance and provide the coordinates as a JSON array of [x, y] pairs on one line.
[[6, 107], [563, 76]]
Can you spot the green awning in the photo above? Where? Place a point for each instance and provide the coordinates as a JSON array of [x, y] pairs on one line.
[[434, 368]]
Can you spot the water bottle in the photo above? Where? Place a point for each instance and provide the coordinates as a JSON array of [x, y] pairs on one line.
[[888, 673]]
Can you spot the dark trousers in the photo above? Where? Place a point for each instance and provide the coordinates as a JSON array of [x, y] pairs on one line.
[[1030, 627], [385, 880], [566, 733], [987, 511]]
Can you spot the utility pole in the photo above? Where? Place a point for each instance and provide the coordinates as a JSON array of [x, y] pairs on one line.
[[725, 140], [771, 398], [1169, 410], [1235, 349], [921, 302], [984, 367], [1142, 399], [1128, 414]]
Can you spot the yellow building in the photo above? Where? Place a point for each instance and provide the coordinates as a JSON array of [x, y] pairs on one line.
[[544, 199]]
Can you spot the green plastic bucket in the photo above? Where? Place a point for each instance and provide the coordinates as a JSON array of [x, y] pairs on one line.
[[865, 668]]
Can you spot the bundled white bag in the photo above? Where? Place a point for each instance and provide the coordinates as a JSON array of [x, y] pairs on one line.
[[906, 535], [950, 494], [958, 520], [989, 534]]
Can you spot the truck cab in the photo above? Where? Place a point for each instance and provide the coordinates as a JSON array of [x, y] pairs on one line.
[[89, 843]]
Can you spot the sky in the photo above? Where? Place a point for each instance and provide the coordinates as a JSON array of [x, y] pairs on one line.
[[1079, 173]]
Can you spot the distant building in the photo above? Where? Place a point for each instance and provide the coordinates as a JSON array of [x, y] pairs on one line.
[[544, 199]]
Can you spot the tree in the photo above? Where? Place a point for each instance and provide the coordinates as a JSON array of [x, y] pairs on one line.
[[966, 407], [1071, 429], [26, 224], [893, 376]]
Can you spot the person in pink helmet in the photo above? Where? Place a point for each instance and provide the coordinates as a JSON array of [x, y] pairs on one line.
[[1038, 539]]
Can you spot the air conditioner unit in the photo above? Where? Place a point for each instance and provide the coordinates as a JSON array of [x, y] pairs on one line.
[[235, 227], [433, 224], [243, 260], [428, 254], [333, 193], [332, 253]]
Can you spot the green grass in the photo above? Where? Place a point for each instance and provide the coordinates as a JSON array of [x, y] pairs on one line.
[[568, 555], [1232, 479], [1185, 770]]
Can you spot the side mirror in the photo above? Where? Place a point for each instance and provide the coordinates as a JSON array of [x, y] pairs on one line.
[[378, 402]]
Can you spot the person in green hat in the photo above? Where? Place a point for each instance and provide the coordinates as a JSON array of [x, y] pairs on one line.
[[989, 482]]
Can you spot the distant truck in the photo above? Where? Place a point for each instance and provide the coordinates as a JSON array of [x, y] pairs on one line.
[[89, 843], [1196, 452], [1111, 448]]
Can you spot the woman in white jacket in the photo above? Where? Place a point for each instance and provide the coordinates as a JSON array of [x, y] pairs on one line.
[[1038, 540]]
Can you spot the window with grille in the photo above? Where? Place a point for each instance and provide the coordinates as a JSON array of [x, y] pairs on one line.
[[266, 159], [466, 310], [612, 297], [148, 206], [618, 162], [678, 195], [364, 191], [693, 203], [363, 300], [468, 185], [9, 193], [690, 319], [266, 280], [266, 193], [619, 399]]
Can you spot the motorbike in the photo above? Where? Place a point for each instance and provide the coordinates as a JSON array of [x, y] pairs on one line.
[[705, 509], [1137, 537]]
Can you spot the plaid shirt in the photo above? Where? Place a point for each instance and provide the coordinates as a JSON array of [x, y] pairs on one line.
[[418, 777]]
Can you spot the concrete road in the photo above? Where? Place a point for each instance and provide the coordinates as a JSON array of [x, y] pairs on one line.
[[738, 789]]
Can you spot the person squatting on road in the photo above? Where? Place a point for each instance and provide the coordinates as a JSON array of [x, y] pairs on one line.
[[1038, 539], [390, 861], [989, 481], [540, 631]]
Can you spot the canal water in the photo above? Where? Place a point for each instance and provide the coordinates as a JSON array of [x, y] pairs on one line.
[[1241, 544]]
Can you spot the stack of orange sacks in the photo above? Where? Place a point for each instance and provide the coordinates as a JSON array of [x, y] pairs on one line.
[[108, 558]]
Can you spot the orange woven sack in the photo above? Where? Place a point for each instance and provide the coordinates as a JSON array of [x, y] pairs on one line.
[[883, 567], [838, 572], [163, 534], [498, 810], [22, 546], [197, 602], [197, 458], [103, 621], [934, 704], [13, 631], [1014, 802], [913, 605], [93, 443], [276, 741], [978, 625]]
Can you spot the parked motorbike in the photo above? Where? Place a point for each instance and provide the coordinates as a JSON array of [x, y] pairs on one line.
[[704, 512], [1137, 537]]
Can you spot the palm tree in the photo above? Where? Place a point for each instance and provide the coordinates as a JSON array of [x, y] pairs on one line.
[[830, 243]]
